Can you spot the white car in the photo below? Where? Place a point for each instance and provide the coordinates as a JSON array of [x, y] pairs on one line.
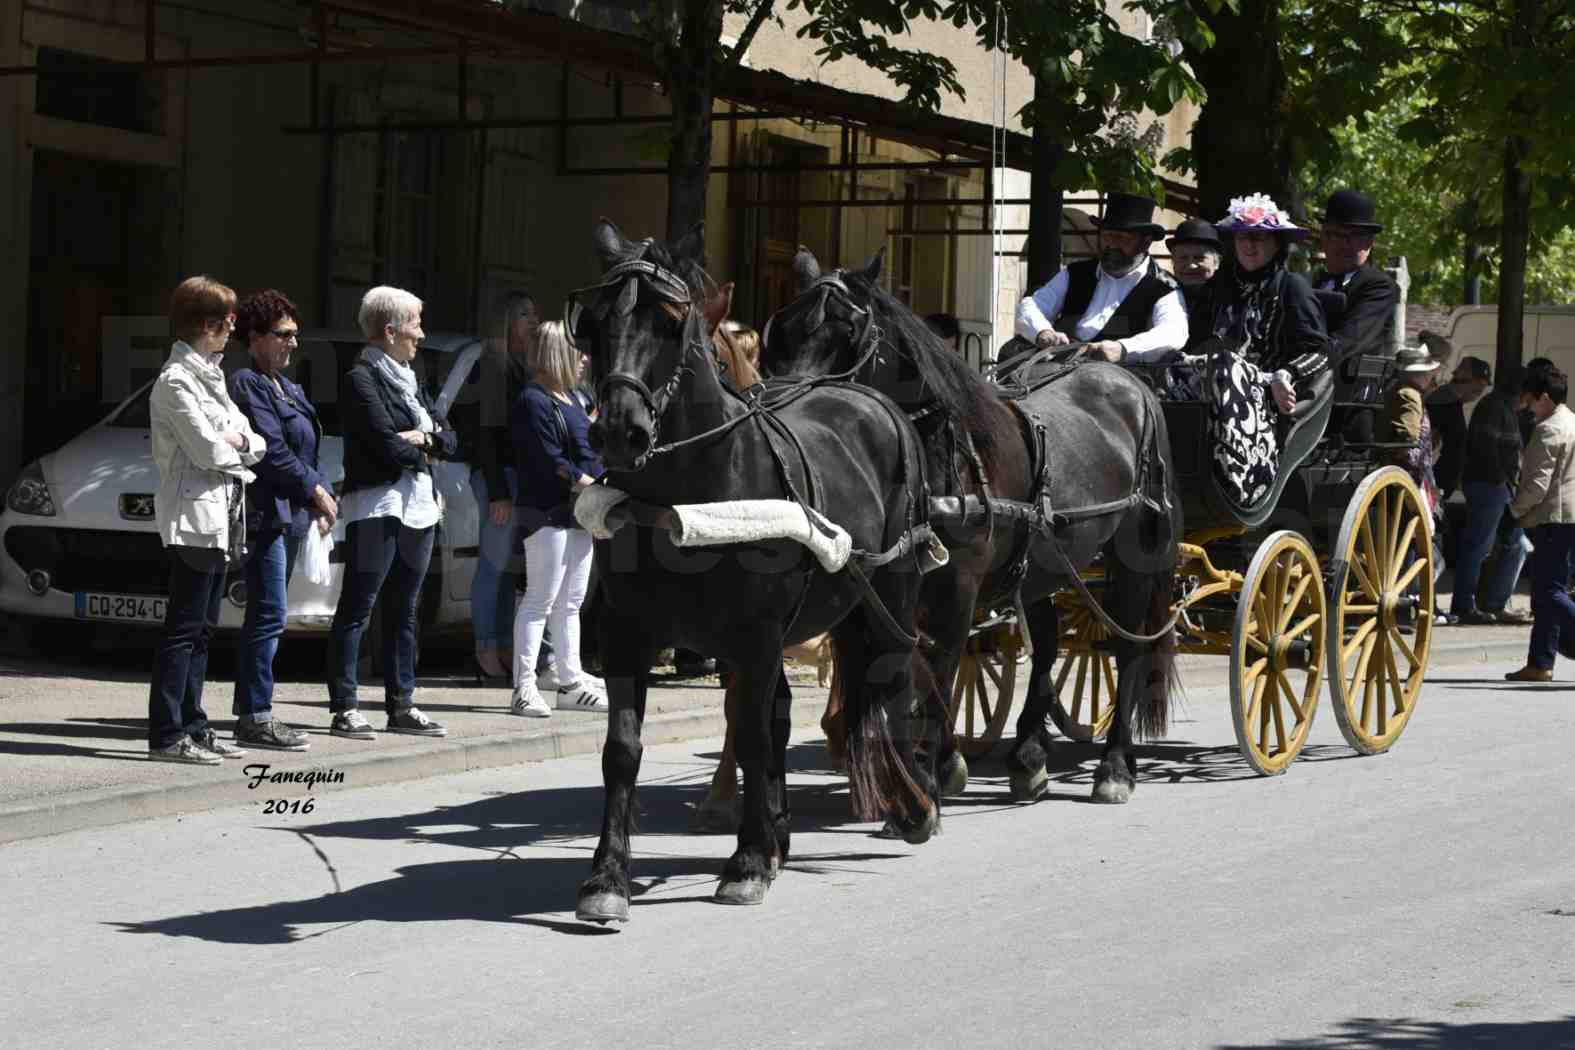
[[78, 540]]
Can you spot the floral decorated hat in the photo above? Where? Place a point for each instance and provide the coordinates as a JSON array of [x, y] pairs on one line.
[[1257, 213]]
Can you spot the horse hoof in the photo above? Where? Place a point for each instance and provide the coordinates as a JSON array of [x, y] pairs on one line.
[[921, 832], [1112, 792], [1030, 787], [715, 817], [742, 892], [603, 908], [954, 776]]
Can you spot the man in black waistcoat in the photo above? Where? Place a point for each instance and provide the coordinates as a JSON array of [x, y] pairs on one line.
[[1366, 326], [1195, 252], [1123, 304]]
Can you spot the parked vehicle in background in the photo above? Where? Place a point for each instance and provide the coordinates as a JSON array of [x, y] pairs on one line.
[[1549, 331], [78, 542]]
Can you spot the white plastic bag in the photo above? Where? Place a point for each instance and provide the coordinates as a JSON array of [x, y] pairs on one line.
[[314, 555]]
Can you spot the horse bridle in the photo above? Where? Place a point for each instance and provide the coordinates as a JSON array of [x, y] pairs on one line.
[[866, 342]]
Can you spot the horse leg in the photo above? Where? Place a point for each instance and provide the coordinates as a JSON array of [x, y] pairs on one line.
[[950, 620], [626, 659], [747, 875], [781, 730], [832, 721], [719, 811], [1025, 763]]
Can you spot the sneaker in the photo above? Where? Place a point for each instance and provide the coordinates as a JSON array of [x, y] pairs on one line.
[[183, 750], [528, 703], [583, 697], [547, 682], [271, 735], [208, 740], [1512, 617], [352, 725], [412, 722]]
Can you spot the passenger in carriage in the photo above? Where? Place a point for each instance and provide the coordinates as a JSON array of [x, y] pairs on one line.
[[1195, 252], [1366, 326], [1123, 304], [1268, 346]]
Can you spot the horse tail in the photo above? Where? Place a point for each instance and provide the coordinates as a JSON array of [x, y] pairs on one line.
[[879, 782], [1151, 719]]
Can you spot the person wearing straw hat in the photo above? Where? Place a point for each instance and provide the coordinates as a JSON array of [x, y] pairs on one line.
[[1195, 253], [1122, 304], [1347, 232], [1405, 426], [1544, 506], [1267, 342]]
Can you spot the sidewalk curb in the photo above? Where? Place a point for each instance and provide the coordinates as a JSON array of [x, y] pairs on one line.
[[108, 806]]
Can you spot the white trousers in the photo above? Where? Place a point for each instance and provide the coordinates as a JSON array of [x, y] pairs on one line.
[[557, 572]]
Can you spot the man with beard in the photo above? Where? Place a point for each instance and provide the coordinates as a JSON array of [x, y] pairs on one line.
[[1366, 326], [1123, 305]]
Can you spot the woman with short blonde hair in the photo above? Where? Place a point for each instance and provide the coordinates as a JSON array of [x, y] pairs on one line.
[[551, 423]]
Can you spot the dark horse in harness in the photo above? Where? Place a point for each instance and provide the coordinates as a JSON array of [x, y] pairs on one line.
[[1084, 464], [672, 433]]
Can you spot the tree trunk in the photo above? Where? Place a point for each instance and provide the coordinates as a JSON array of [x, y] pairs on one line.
[[691, 83], [1238, 142], [1046, 198], [1515, 236]]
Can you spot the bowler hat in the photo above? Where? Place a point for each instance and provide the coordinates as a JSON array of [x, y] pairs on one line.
[[1195, 231], [1352, 208], [1127, 212]]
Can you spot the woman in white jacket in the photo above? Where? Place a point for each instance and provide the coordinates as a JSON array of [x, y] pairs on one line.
[[202, 445]]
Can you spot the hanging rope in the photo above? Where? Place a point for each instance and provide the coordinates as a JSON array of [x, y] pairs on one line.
[[997, 173]]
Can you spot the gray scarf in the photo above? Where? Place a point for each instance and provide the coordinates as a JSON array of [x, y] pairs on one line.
[[403, 378]]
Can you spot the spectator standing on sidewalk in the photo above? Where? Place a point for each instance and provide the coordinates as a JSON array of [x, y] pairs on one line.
[[391, 507], [1544, 506], [202, 446], [1446, 410], [1488, 478], [556, 463], [289, 497], [1404, 424]]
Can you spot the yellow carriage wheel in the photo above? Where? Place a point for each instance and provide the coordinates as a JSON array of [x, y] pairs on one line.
[[1084, 701], [983, 691], [1277, 652], [1381, 615]]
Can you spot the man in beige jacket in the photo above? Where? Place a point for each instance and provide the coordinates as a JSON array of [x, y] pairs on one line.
[[1545, 507]]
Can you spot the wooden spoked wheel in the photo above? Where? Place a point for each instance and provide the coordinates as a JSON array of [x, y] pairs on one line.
[[1277, 652], [986, 682], [1381, 614], [1084, 701]]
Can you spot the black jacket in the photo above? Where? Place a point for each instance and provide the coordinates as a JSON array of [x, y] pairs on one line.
[[1493, 444], [1448, 416], [1298, 343], [1367, 324], [374, 415]]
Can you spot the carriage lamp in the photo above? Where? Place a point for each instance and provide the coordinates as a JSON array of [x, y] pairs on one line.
[[30, 493]]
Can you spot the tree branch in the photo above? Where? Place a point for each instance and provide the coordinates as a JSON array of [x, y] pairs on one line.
[[756, 20]]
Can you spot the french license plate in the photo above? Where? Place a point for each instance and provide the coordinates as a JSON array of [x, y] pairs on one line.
[[137, 608]]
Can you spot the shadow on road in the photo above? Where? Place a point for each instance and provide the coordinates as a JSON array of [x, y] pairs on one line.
[[1371, 1033]]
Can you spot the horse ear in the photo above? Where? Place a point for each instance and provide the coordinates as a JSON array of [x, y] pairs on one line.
[[806, 268], [717, 307], [872, 269], [609, 242], [691, 245]]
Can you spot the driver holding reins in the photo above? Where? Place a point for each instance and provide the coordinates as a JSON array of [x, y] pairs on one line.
[[1123, 305]]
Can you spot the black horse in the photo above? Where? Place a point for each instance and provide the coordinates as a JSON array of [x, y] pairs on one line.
[[1105, 446], [671, 433]]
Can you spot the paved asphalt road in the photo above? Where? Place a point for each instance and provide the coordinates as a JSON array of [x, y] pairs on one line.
[[1416, 900]]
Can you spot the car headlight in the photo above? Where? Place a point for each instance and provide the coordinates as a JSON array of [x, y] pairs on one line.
[[30, 492]]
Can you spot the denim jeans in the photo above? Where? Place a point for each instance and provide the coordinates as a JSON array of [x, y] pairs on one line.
[[492, 588], [180, 664], [269, 565], [1553, 626], [379, 553], [1485, 504]]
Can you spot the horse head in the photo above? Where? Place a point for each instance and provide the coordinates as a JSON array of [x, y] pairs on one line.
[[642, 324], [827, 328]]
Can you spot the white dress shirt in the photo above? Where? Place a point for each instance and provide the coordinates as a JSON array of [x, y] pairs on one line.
[[1167, 324]]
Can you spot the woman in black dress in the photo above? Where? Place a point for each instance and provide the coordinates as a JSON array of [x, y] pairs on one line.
[[1269, 344]]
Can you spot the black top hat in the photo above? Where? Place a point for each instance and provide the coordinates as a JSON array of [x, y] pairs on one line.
[[1352, 208], [1196, 231], [1131, 213]]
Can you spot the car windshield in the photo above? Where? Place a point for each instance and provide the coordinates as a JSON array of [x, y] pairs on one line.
[[318, 366]]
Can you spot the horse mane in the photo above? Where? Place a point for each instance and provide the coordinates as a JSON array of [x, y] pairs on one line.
[[967, 398], [738, 372]]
